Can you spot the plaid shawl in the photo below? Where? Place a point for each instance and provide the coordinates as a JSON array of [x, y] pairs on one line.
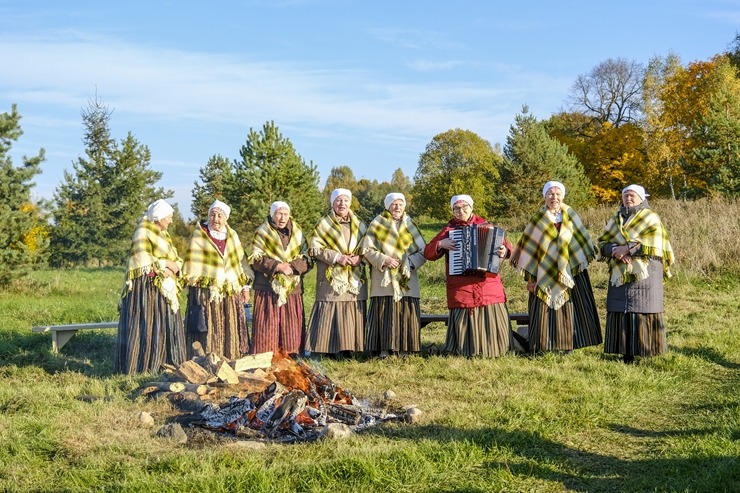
[[553, 258], [645, 228], [267, 244], [328, 235], [205, 267], [150, 248], [388, 237]]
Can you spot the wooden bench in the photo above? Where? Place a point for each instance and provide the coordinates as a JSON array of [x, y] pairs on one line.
[[427, 318], [61, 334]]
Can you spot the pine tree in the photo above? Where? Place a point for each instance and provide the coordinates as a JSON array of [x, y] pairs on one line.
[[270, 169], [531, 158], [719, 133], [98, 205], [214, 179], [16, 217]]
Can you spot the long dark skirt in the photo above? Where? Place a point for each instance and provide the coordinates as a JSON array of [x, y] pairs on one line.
[[274, 327], [149, 332], [393, 325], [482, 331], [574, 325], [219, 326], [635, 334], [337, 326]]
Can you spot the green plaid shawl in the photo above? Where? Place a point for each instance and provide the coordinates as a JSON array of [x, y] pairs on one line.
[[387, 236], [328, 235], [205, 267], [267, 244], [150, 248], [553, 258], [645, 228]]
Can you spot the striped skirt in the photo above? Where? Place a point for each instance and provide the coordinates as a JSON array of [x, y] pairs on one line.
[[481, 331], [274, 327], [575, 325], [149, 332], [393, 325], [337, 326], [635, 334], [219, 326]]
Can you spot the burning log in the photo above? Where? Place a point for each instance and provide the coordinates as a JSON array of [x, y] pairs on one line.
[[286, 401]]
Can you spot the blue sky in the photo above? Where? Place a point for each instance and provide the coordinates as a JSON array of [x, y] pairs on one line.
[[366, 84]]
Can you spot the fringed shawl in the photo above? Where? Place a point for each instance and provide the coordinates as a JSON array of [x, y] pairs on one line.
[[328, 235], [267, 243], [394, 240], [645, 228], [205, 266], [553, 258], [151, 247]]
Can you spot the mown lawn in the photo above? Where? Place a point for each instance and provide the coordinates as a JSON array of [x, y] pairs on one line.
[[584, 422]]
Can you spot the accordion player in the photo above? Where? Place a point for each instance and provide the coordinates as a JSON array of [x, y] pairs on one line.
[[477, 249]]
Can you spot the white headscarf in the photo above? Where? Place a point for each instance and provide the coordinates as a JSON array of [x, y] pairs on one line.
[[340, 191], [551, 184], [278, 204], [465, 198], [638, 189], [392, 197], [217, 204], [159, 209]]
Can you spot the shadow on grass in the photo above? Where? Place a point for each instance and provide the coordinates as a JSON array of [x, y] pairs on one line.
[[89, 353], [530, 455], [708, 354]]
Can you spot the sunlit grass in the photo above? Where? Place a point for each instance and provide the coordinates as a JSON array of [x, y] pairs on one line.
[[584, 422]]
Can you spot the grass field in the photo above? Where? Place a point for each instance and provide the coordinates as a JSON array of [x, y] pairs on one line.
[[584, 422]]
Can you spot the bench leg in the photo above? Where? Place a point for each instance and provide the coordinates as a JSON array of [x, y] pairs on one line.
[[59, 338]]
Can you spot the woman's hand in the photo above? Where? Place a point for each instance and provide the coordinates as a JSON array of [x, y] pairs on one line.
[[391, 263], [284, 268], [172, 266], [447, 244], [245, 295], [502, 251], [531, 286], [622, 252]]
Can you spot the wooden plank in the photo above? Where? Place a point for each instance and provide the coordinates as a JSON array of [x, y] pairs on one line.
[[428, 318], [252, 361]]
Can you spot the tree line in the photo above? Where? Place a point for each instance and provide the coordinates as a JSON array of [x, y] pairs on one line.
[[672, 127]]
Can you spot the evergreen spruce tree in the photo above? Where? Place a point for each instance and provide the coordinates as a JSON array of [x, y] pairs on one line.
[[98, 204], [16, 217], [270, 169], [531, 158], [214, 179]]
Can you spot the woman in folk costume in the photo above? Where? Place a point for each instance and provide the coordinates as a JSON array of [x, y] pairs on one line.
[[640, 255], [479, 319], [337, 322], [553, 255], [394, 248], [217, 286], [279, 259], [150, 328]]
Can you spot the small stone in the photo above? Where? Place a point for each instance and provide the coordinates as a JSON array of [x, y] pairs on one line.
[[389, 395], [146, 420], [336, 431], [413, 414], [247, 445], [174, 432]]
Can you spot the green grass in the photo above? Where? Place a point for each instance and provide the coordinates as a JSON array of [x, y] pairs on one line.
[[584, 422]]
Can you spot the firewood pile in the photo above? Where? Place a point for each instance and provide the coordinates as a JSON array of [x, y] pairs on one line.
[[267, 397]]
